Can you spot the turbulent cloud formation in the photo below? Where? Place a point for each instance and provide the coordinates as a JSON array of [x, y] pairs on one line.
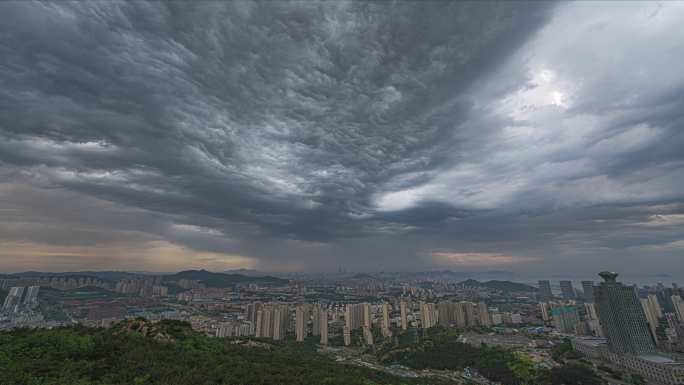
[[307, 135]]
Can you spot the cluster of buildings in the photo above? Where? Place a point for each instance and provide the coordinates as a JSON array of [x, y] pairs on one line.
[[364, 321], [624, 326], [21, 299], [19, 309], [629, 341], [149, 286], [59, 283]]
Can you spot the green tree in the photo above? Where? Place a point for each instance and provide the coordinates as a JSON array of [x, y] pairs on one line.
[[575, 374]]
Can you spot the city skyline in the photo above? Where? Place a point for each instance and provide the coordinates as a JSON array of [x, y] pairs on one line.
[[530, 138]]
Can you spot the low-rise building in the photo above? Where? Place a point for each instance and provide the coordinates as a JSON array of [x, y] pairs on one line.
[[656, 368]]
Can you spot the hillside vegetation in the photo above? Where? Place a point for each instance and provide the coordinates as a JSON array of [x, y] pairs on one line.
[[164, 353], [441, 350]]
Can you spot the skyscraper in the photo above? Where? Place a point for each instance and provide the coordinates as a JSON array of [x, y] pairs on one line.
[[386, 320], [316, 320], [445, 313], [651, 316], [324, 326], [567, 291], [590, 309], [469, 310], [13, 299], [679, 307], [301, 318], [655, 305], [258, 327], [31, 299], [354, 315], [483, 315], [545, 311], [403, 314], [588, 289], [545, 293], [460, 314], [622, 318], [565, 318], [281, 316], [367, 316], [428, 314]]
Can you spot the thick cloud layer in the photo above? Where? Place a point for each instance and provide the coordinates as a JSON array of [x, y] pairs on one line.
[[307, 136]]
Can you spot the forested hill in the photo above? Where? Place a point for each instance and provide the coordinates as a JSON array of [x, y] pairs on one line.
[[164, 353], [212, 279]]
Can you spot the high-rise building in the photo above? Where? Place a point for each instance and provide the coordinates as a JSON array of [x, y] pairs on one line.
[[655, 305], [446, 310], [565, 318], [251, 315], [316, 320], [272, 321], [347, 336], [386, 331], [281, 316], [545, 293], [588, 290], [403, 314], [545, 311], [301, 318], [679, 307], [469, 310], [354, 315], [590, 309], [324, 327], [622, 318], [13, 299], [367, 316], [460, 314], [428, 315], [483, 315], [257, 324], [651, 316], [31, 298], [567, 291]]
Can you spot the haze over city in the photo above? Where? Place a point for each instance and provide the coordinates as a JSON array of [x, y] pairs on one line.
[[536, 138]]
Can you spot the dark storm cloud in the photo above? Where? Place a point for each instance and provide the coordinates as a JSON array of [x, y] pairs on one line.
[[281, 114], [308, 133]]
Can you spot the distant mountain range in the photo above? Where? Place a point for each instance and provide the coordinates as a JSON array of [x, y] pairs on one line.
[[501, 285], [220, 280], [440, 275], [210, 279], [104, 275]]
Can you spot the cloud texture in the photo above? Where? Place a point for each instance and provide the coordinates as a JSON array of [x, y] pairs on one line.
[[307, 135]]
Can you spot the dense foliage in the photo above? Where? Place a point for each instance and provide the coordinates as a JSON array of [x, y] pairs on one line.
[[445, 352], [442, 350], [564, 351], [167, 353], [575, 374]]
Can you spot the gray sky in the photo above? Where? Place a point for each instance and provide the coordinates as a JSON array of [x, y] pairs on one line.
[[304, 136]]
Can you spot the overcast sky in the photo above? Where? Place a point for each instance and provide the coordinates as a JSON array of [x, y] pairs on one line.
[[306, 136]]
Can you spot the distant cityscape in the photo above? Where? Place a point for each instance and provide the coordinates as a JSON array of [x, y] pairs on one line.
[[637, 329]]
